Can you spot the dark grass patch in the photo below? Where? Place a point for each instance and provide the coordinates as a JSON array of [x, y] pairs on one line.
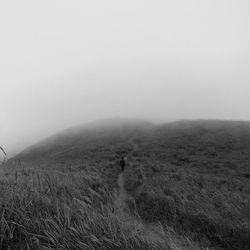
[[219, 234], [246, 175]]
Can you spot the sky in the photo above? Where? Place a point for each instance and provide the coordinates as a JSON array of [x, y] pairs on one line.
[[65, 62]]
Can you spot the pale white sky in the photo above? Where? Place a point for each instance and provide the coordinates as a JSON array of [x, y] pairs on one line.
[[64, 62]]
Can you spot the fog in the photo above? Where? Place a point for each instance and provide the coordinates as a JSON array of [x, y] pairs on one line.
[[68, 62]]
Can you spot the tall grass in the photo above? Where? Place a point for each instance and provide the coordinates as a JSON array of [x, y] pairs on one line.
[[5, 155], [49, 209], [195, 206]]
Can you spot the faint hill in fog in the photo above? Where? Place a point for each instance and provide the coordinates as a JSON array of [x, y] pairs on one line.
[[178, 142], [74, 142]]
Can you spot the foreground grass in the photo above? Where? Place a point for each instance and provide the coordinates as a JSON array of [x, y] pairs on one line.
[[70, 207], [42, 208], [207, 207]]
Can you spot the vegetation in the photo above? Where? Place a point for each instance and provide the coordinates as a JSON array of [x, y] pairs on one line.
[[48, 209], [188, 184]]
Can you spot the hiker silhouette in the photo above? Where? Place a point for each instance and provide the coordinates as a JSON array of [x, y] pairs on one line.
[[122, 164]]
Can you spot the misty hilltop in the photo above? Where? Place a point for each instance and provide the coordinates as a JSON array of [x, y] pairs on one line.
[[178, 142], [76, 141]]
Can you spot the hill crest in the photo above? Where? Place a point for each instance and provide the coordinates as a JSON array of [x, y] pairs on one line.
[[112, 134]]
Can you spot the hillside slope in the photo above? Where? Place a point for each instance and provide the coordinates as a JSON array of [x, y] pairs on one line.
[[79, 141], [184, 142], [192, 176]]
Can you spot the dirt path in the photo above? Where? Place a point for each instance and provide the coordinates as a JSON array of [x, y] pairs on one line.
[[153, 231], [122, 195], [133, 143], [155, 234], [135, 147]]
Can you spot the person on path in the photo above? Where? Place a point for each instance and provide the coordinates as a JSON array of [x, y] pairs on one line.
[[122, 164]]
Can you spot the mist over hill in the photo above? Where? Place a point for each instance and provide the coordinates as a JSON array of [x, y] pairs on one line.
[[178, 142]]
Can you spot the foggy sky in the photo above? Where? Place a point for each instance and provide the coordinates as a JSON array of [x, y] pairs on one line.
[[65, 62]]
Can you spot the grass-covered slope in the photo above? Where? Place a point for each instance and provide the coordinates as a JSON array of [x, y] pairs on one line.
[[92, 139], [191, 176]]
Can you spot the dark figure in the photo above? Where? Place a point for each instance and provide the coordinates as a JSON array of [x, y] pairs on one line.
[[122, 164]]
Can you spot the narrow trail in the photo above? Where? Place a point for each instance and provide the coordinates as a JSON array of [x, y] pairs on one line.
[[133, 143], [122, 196], [136, 149], [153, 232]]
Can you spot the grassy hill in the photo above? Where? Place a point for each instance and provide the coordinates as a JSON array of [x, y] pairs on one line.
[[79, 141], [192, 177], [180, 141]]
